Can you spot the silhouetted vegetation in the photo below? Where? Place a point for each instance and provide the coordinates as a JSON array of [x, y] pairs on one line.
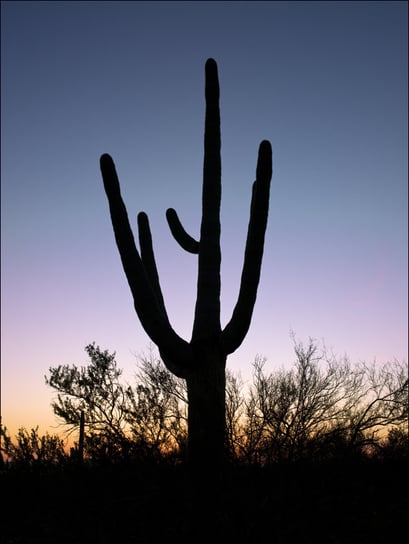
[[318, 453], [323, 408], [30, 450], [121, 422]]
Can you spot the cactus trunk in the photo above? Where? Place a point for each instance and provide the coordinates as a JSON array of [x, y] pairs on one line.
[[206, 416]]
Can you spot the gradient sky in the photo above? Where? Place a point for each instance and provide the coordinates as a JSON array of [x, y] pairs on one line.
[[325, 82]]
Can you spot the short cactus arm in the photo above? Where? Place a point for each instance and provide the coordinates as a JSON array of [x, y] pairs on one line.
[[147, 306], [235, 331], [180, 235]]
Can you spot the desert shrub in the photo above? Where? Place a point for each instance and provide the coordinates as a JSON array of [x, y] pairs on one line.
[[29, 449]]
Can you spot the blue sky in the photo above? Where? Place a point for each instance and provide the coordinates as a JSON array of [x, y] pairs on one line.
[[325, 82]]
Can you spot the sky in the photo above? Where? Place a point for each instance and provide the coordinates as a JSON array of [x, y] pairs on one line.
[[325, 82]]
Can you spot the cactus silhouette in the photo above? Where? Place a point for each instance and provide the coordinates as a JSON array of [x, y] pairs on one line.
[[81, 437], [201, 361]]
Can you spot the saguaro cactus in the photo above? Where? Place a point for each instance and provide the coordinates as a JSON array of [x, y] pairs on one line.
[[81, 437], [201, 361]]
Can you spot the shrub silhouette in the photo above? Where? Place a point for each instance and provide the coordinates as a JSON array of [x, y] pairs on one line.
[[201, 362], [323, 408], [31, 450]]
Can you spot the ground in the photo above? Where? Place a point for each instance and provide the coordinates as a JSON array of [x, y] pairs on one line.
[[348, 503]]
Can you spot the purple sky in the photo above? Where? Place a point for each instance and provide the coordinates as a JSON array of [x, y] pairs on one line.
[[325, 82]]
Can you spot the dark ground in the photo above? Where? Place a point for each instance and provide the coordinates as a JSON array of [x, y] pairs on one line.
[[366, 502]]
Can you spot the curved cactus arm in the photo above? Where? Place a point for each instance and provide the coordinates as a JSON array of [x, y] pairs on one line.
[[235, 331], [146, 303], [207, 310], [174, 365], [187, 242], [148, 259]]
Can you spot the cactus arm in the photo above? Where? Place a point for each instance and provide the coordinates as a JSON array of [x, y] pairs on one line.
[[235, 331], [149, 263], [184, 239], [148, 259], [207, 310], [146, 303]]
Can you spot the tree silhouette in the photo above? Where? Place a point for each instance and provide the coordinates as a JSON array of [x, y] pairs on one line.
[[201, 361], [92, 398]]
